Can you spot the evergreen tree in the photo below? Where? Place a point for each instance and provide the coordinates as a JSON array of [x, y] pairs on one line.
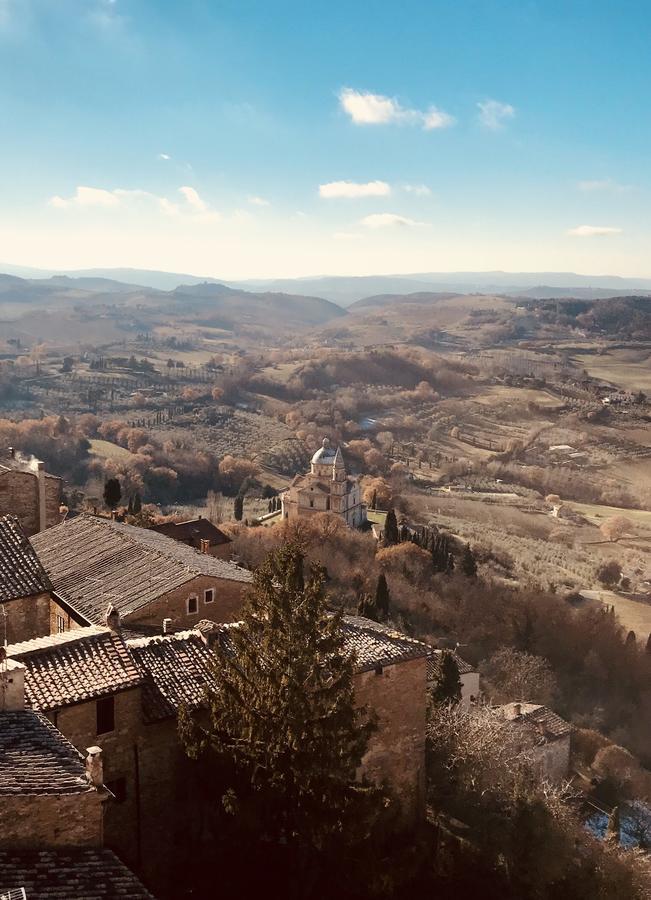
[[270, 506], [648, 644], [631, 639], [447, 688], [238, 508], [382, 598], [137, 504], [367, 607], [130, 507], [374, 500], [283, 737], [391, 535], [112, 492], [468, 563]]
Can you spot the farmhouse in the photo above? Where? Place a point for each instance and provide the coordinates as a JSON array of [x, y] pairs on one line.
[[543, 734], [325, 488], [29, 492], [198, 533], [148, 577]]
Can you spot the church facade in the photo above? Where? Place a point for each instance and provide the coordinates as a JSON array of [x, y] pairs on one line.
[[325, 488]]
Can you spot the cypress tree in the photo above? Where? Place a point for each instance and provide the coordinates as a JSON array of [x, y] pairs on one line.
[[137, 504], [648, 644], [130, 506], [283, 737], [112, 492], [382, 598], [447, 688], [374, 500], [391, 535], [238, 508], [468, 563]]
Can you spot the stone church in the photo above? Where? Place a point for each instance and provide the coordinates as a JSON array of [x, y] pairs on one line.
[[325, 488]]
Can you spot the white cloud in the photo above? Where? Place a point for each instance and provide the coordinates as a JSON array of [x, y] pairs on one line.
[[603, 184], [85, 197], [164, 156], [257, 201], [365, 108], [593, 231], [89, 197], [419, 190], [352, 189], [346, 236], [193, 199], [386, 220], [493, 114]]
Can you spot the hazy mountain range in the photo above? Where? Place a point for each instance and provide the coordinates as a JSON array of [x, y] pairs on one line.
[[345, 290]]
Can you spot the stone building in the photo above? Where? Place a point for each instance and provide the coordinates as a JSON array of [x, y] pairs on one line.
[[29, 606], [543, 735], [325, 488], [28, 492], [198, 533], [148, 577]]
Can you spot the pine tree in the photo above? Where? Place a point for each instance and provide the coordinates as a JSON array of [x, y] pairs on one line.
[[468, 563], [238, 508], [391, 535], [137, 504], [382, 598], [112, 492], [447, 688], [283, 736]]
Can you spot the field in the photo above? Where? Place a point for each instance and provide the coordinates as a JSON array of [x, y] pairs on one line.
[[108, 450], [635, 615], [628, 370], [596, 514]]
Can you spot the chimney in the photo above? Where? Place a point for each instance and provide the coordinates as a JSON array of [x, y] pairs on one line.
[[167, 626], [12, 453], [95, 766], [204, 545], [42, 512], [12, 683], [112, 618]]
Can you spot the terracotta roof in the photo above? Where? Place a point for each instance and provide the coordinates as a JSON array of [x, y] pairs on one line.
[[92, 560], [75, 873], [74, 666], [194, 530], [175, 668], [548, 725], [35, 758], [434, 663], [21, 573], [375, 644]]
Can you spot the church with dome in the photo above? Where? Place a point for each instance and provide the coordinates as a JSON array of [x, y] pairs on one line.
[[325, 488]]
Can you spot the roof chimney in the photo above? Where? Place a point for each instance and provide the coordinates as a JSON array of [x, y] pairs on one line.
[[42, 510], [167, 625], [12, 683], [204, 545], [95, 766], [12, 452], [112, 618]]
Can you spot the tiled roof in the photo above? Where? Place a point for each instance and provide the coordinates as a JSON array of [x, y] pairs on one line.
[[175, 668], [35, 758], [21, 573], [194, 530], [547, 724], [91, 560], [375, 644], [74, 666], [434, 663], [76, 873]]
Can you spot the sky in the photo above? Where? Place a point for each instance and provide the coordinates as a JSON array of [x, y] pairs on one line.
[[269, 138]]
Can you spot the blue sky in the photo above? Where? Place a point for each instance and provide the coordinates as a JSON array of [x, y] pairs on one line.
[[246, 139]]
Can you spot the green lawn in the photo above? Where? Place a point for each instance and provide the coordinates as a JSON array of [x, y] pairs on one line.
[[108, 450]]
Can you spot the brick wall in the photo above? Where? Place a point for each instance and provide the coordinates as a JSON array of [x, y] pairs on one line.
[[226, 607], [396, 752], [19, 497], [51, 820], [32, 617]]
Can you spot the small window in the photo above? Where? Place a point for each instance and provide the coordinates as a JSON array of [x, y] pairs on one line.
[[61, 624], [209, 595], [193, 605], [105, 715], [379, 669], [118, 787], [312, 503]]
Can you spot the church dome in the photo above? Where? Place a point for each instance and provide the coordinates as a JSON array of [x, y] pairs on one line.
[[325, 453]]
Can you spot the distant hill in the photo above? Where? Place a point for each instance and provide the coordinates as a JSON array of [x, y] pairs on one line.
[[420, 297]]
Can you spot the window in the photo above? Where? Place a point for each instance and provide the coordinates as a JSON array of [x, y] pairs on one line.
[[209, 595], [105, 715], [61, 624], [193, 605], [118, 787], [312, 503]]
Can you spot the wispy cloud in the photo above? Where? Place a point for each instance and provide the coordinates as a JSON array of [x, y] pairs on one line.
[[87, 197], [593, 231], [254, 200], [493, 114], [387, 220], [191, 205], [351, 190], [164, 156], [365, 108], [105, 14], [193, 199], [603, 185], [419, 190]]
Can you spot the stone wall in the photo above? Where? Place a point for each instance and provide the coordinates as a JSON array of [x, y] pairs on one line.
[[552, 759], [396, 752], [51, 820], [19, 497], [28, 617], [226, 607]]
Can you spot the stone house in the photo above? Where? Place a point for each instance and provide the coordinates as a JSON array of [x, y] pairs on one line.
[[543, 735], [468, 675], [28, 492], [325, 488], [29, 607], [148, 577], [198, 533]]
